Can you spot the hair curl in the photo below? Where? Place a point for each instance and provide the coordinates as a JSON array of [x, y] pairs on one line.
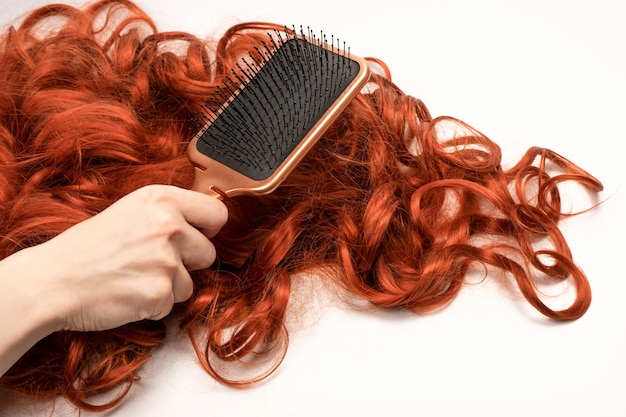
[[393, 205]]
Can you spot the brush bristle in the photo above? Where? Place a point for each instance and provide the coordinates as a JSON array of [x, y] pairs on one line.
[[272, 100]]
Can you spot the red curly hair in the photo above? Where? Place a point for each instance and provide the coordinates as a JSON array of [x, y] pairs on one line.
[[392, 205]]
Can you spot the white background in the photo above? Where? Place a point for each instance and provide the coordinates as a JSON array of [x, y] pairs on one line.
[[547, 73]]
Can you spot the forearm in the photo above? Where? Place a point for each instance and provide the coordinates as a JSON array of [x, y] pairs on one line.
[[24, 311]]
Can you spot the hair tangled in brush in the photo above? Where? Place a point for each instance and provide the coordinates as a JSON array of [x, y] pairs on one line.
[[391, 204]]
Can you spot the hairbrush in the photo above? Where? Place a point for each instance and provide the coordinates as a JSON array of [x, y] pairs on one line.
[[270, 111]]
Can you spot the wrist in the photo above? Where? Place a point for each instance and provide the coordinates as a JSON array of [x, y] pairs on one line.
[[25, 305], [37, 280]]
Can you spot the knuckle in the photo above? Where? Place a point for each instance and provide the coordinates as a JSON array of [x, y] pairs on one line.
[[153, 192], [158, 200], [164, 220], [160, 290], [167, 261], [158, 300], [169, 226]]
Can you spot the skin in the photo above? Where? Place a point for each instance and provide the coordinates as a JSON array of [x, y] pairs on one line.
[[128, 263]]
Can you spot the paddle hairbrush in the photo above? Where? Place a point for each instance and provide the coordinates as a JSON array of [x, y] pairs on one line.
[[271, 110]]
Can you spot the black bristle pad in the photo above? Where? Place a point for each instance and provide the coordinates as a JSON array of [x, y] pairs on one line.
[[272, 105]]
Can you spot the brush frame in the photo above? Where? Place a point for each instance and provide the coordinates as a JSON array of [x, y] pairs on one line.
[[216, 179]]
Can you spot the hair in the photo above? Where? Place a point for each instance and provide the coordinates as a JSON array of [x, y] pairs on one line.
[[393, 206]]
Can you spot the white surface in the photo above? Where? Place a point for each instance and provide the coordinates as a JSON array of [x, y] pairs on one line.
[[548, 73]]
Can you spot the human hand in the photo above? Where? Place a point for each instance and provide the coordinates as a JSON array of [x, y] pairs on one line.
[[131, 261]]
